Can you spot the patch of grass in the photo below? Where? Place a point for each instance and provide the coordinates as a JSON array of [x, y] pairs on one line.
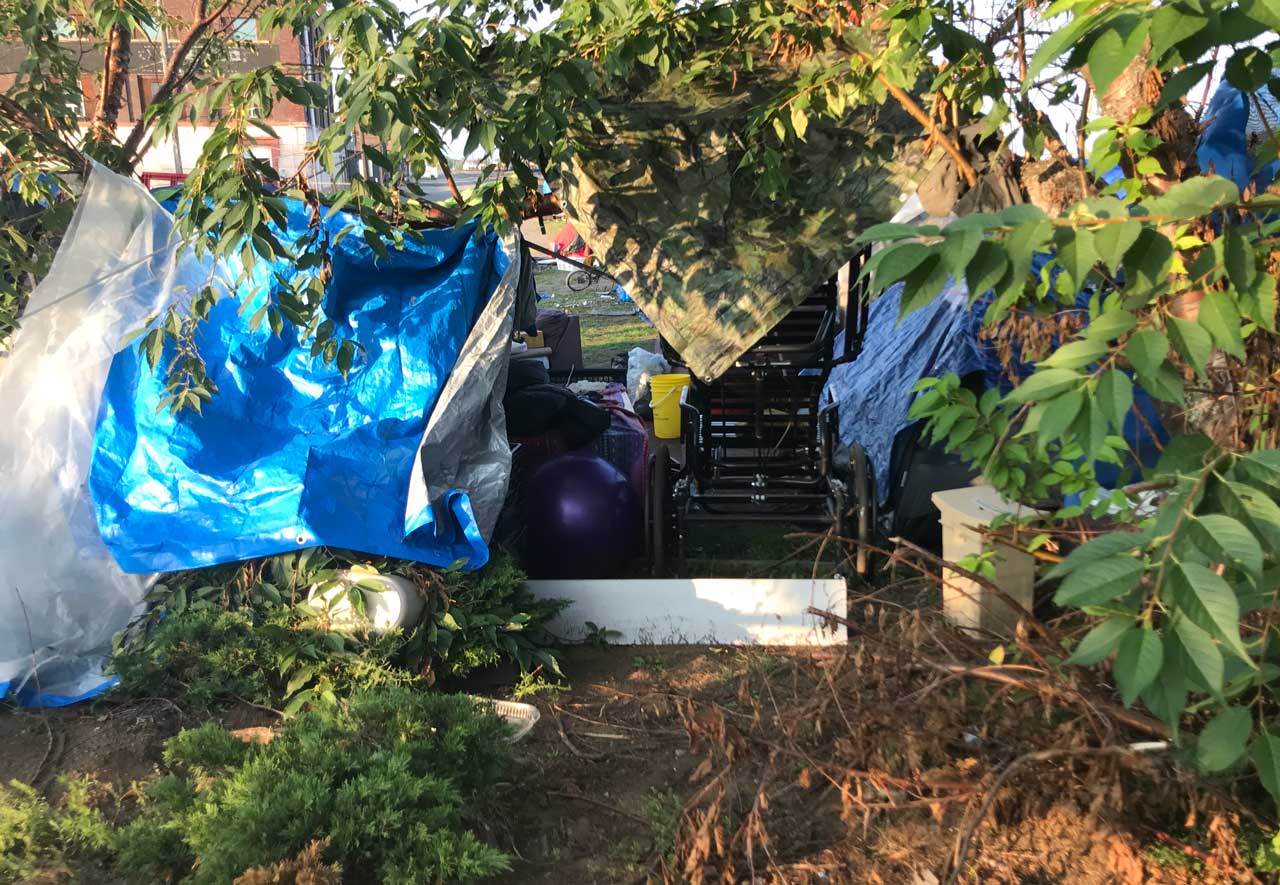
[[653, 665], [1170, 857], [603, 338]]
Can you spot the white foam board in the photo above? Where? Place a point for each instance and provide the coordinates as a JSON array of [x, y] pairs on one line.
[[713, 611]]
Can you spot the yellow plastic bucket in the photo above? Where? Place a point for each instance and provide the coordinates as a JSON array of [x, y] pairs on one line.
[[665, 393]]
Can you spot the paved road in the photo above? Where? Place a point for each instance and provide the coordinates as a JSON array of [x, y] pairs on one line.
[[437, 189]]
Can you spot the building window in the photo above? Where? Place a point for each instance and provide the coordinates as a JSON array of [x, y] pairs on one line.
[[147, 89], [244, 29], [86, 94]]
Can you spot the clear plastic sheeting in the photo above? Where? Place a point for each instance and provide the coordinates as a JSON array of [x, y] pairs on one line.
[[405, 456], [62, 596]]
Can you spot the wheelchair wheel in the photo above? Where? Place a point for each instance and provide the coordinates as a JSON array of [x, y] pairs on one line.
[[659, 510], [581, 280], [862, 494]]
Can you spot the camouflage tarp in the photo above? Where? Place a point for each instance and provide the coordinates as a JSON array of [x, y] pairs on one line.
[[712, 262]]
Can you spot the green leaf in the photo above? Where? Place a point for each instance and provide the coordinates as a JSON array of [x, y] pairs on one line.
[[1100, 641], [1114, 48], [1110, 325], [1238, 256], [1146, 264], [1146, 351], [1138, 662], [886, 232], [1077, 253], [1171, 24], [1194, 197], [1055, 45], [1226, 540], [346, 355], [1166, 697], [375, 242], [1056, 416], [959, 249], [1115, 397], [1076, 355], [1266, 760], [1044, 384], [1102, 547], [1260, 303], [1202, 654], [799, 121], [1192, 341], [1264, 465], [1249, 69], [1223, 740], [1204, 597], [986, 269], [299, 679], [1179, 84], [897, 262], [1255, 508], [1219, 316], [922, 285], [1114, 240], [1100, 581]]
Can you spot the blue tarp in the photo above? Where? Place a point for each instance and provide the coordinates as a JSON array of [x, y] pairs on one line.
[[1233, 126], [874, 392], [290, 454]]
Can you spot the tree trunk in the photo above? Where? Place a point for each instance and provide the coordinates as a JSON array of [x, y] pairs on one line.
[[115, 70]]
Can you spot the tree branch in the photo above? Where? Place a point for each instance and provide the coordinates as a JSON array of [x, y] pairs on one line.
[[115, 71], [935, 132], [175, 73], [10, 109], [448, 176]]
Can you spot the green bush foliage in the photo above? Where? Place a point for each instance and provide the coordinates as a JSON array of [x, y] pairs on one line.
[[389, 779], [247, 632], [36, 838], [206, 657]]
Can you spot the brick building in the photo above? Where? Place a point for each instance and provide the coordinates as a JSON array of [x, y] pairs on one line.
[[294, 126]]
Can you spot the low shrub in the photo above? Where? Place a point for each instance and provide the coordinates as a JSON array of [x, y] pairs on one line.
[[390, 780], [247, 632], [37, 838], [207, 656]]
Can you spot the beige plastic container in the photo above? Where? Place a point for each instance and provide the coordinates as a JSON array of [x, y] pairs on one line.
[[965, 602]]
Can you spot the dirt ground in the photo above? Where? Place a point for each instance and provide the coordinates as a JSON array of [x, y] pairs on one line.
[[598, 786]]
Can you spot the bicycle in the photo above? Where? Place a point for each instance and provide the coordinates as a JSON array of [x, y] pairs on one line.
[[582, 280]]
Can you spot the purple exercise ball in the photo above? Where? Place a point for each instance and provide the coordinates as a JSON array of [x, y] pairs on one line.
[[582, 519]]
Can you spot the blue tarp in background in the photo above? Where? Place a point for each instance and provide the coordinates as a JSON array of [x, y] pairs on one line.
[[289, 454], [1232, 126], [873, 393]]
